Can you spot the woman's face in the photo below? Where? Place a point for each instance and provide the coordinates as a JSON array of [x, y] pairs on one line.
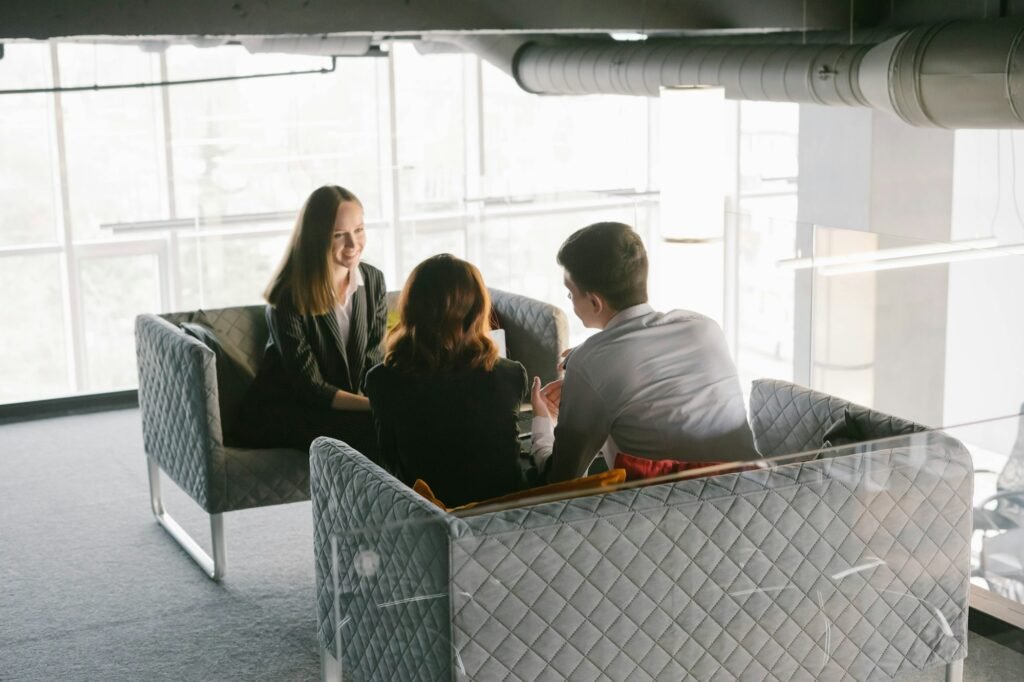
[[349, 235]]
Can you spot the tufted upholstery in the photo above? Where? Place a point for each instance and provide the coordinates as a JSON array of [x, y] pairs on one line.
[[848, 568], [181, 423], [536, 332], [787, 418], [409, 536], [181, 406]]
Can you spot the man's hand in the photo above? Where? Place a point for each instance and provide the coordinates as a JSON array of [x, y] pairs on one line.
[[560, 365], [537, 400]]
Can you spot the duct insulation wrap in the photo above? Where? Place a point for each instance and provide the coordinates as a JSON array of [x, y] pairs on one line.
[[820, 74], [952, 75]]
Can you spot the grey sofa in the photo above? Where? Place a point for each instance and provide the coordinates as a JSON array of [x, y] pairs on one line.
[[852, 567], [185, 400]]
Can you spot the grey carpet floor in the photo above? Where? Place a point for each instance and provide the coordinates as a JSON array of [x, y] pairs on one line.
[[91, 588]]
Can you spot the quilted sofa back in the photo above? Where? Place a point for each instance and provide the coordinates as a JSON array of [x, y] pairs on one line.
[[787, 418]]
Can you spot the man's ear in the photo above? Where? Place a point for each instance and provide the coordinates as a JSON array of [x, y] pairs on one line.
[[597, 304]]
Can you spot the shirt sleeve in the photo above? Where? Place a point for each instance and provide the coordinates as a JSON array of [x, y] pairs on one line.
[[582, 428], [542, 440]]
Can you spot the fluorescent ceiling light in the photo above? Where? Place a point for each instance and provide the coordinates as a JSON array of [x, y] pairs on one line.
[[886, 254], [924, 259], [628, 37]]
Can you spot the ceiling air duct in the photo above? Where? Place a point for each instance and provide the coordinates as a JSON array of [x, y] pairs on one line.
[[952, 75]]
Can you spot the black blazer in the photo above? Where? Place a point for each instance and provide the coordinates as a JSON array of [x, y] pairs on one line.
[[457, 431], [306, 361]]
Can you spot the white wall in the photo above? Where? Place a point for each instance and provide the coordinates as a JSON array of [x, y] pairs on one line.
[[984, 374], [877, 338]]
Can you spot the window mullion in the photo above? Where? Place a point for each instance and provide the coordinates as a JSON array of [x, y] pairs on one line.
[[74, 338]]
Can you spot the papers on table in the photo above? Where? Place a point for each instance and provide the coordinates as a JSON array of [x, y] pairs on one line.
[[498, 336]]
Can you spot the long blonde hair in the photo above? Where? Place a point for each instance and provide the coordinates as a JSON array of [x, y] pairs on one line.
[[444, 320], [303, 278]]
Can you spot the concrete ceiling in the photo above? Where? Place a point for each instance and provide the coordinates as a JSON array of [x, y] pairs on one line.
[[40, 19]]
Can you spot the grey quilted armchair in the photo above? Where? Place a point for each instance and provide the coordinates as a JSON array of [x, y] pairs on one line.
[[183, 408], [194, 368]]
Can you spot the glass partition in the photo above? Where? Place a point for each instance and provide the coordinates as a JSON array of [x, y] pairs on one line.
[[997, 547], [839, 562], [925, 330]]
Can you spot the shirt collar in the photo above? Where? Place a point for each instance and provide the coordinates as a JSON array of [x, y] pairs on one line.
[[628, 314], [355, 280]]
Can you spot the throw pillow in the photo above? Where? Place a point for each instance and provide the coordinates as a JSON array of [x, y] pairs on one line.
[[589, 485], [393, 318], [233, 375], [843, 431]]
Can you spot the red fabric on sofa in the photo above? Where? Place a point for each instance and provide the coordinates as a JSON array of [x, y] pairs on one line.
[[639, 468]]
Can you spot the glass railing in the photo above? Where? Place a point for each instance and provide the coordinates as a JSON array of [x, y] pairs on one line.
[[927, 331], [849, 562]]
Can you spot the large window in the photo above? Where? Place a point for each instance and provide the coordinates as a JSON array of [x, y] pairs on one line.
[[176, 198]]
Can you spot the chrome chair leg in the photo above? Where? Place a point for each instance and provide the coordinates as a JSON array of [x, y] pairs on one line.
[[955, 671], [216, 567], [330, 667]]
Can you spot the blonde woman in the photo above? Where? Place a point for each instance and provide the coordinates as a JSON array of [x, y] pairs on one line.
[[327, 317]]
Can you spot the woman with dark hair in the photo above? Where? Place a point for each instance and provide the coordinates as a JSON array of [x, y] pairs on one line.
[[327, 316], [444, 403]]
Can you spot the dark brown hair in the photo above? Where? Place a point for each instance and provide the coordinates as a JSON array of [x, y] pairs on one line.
[[608, 259], [444, 314], [303, 278]]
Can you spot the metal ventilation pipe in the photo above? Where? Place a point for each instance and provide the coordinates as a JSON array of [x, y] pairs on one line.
[[952, 75], [823, 74]]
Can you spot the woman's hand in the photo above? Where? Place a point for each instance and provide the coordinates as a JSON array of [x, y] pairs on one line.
[[545, 399], [343, 400]]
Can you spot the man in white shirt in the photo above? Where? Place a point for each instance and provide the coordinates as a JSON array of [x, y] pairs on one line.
[[650, 384]]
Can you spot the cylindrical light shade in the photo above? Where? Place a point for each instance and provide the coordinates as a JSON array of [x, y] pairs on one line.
[[692, 163]]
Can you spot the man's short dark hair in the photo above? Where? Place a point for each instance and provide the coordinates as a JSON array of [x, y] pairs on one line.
[[607, 259]]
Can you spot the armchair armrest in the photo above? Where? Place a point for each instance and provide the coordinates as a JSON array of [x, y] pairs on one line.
[[178, 400], [536, 332], [1014, 495], [381, 556]]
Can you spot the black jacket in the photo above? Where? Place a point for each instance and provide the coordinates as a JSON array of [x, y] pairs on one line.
[[456, 431], [306, 360]]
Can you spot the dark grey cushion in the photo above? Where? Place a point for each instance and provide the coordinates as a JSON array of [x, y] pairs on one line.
[[842, 432], [233, 375]]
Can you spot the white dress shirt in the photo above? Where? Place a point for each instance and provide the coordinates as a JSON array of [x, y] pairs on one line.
[[343, 308], [650, 384]]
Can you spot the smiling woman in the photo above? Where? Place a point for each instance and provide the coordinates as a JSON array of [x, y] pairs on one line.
[[326, 317]]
